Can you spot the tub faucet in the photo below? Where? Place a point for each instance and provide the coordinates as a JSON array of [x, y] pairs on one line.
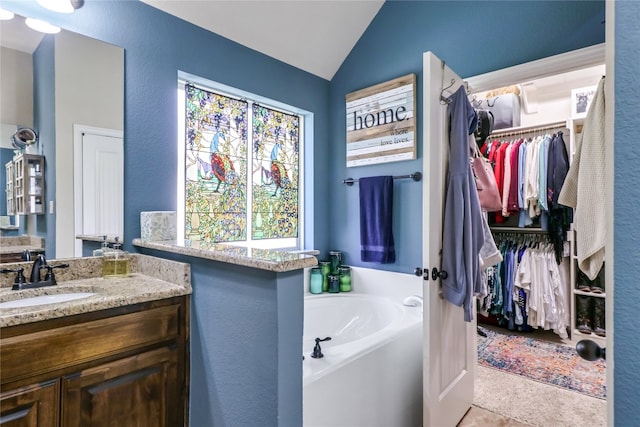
[[317, 351]]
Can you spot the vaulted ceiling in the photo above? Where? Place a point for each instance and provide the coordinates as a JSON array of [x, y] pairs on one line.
[[313, 35]]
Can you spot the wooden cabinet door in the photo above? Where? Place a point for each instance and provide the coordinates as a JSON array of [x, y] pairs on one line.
[[140, 390], [34, 405]]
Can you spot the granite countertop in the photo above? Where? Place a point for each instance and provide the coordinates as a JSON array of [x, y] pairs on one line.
[[19, 249], [150, 279], [100, 239], [17, 244], [264, 259]]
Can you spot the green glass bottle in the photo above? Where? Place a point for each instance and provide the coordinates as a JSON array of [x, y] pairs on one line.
[[345, 278], [334, 283], [336, 261], [325, 266], [315, 281]]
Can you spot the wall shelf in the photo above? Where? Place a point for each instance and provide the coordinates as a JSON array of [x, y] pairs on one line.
[[28, 184]]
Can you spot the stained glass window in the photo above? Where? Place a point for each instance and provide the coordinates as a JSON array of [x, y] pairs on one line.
[[219, 207], [275, 174]]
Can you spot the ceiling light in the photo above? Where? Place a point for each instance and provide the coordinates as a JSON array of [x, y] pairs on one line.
[[43, 27], [62, 6], [5, 15]]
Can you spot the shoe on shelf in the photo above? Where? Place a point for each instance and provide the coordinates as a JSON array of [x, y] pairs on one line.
[[582, 282], [584, 313], [598, 317], [597, 285]]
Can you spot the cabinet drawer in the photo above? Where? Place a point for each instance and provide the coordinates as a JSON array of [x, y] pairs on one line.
[[58, 348]]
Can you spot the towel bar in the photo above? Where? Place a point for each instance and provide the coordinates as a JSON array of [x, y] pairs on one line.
[[416, 176]]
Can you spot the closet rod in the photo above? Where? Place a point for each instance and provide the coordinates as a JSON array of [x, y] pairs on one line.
[[528, 129], [416, 176], [517, 230]]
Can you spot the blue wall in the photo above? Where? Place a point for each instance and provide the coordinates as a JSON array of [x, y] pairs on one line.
[[157, 46], [388, 50], [626, 196], [246, 345], [472, 38], [6, 154], [44, 120], [246, 339]]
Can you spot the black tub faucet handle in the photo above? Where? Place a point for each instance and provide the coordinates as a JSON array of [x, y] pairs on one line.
[[317, 351]]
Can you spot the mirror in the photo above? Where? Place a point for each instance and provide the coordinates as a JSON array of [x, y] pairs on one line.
[[24, 138], [53, 84]]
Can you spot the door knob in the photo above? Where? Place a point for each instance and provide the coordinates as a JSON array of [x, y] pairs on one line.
[[435, 274], [590, 351]]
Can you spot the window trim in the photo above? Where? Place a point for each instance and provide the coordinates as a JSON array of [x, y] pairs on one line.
[[306, 118]]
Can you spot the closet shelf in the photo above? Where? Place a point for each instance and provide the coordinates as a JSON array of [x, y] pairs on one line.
[[522, 130], [589, 294], [582, 336], [498, 229]]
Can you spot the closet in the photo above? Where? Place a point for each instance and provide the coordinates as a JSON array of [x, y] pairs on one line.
[[542, 109]]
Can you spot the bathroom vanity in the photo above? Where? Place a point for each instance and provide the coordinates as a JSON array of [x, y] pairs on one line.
[[117, 357]]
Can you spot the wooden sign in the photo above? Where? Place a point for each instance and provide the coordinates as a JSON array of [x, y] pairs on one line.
[[381, 123]]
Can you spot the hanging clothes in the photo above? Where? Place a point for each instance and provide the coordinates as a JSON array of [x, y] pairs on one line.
[[462, 228], [560, 216], [528, 288], [584, 188], [530, 174]]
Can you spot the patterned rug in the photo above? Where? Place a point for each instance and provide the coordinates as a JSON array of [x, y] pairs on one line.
[[543, 361]]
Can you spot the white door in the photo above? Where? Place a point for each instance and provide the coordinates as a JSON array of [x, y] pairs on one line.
[[99, 169], [449, 350]]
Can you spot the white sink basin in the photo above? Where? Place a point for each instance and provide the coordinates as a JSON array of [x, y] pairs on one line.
[[45, 299]]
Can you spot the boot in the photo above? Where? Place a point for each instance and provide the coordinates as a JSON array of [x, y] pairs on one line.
[[598, 317], [584, 313], [597, 286], [583, 282]]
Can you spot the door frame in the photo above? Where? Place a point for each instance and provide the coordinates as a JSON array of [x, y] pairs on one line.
[[581, 58]]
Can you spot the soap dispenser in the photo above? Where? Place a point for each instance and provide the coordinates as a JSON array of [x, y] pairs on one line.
[[115, 262], [104, 246]]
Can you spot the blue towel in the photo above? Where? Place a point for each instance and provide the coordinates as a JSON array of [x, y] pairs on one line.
[[376, 235]]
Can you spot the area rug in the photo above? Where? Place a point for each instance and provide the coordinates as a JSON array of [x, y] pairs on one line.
[[543, 361]]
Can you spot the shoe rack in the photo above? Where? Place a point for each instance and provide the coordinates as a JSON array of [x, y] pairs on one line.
[[588, 303], [587, 297]]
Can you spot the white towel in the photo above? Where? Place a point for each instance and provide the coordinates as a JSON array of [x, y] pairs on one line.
[[584, 188]]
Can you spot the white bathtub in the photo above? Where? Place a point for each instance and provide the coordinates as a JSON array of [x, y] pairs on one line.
[[371, 372]]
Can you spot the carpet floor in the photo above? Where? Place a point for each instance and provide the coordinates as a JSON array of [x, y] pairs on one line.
[[549, 363], [533, 403]]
